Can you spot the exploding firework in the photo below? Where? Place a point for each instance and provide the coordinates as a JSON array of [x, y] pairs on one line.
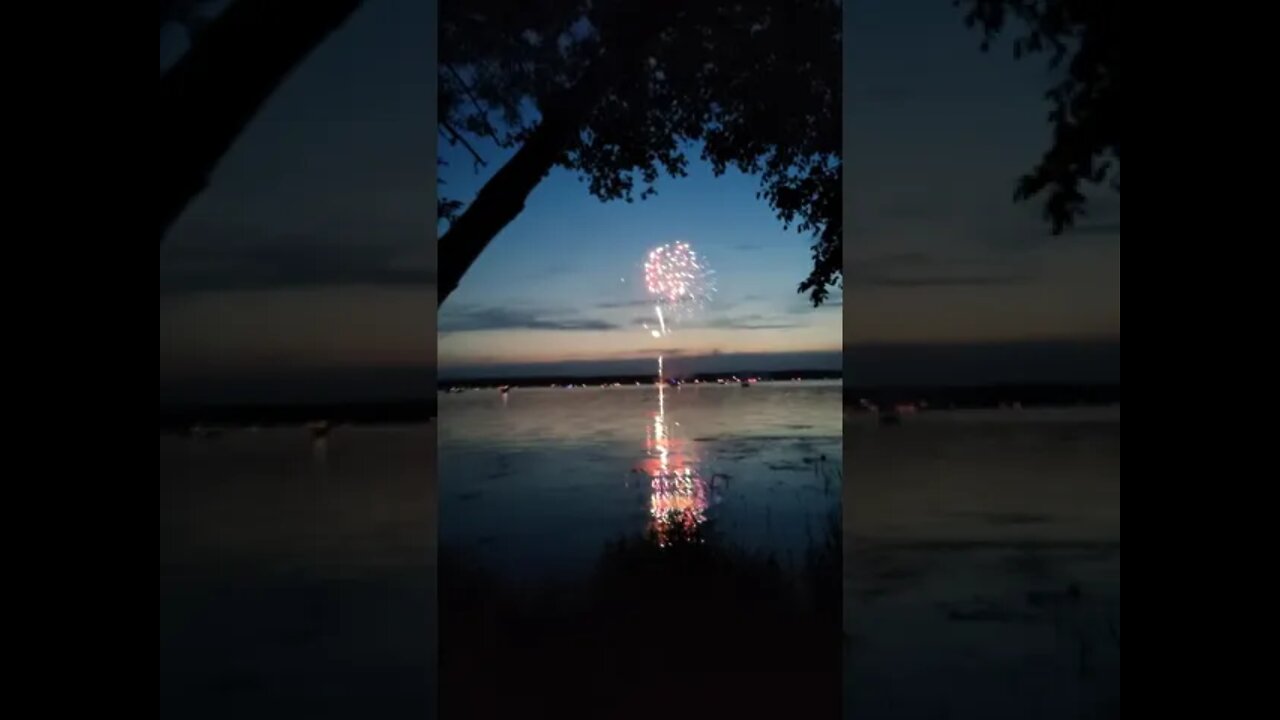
[[679, 282]]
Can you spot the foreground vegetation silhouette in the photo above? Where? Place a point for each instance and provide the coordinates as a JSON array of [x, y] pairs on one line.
[[692, 629]]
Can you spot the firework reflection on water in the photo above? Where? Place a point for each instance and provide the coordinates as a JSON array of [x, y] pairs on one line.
[[679, 496]]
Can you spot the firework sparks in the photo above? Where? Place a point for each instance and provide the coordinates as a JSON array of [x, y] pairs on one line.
[[679, 282]]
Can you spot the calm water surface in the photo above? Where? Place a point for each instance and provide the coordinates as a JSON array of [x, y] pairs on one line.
[[620, 552], [298, 577], [981, 562], [982, 565], [536, 482]]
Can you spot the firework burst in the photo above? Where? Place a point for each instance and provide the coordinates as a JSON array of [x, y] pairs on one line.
[[679, 282]]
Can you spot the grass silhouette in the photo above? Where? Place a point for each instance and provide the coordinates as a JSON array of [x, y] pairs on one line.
[[689, 627]]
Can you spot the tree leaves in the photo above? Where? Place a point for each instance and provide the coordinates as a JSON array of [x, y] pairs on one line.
[[755, 84], [1084, 113]]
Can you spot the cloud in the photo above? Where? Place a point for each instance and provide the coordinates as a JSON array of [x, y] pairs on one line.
[[470, 319], [740, 322], [912, 259], [292, 262], [647, 354], [761, 326], [613, 305], [751, 322], [921, 270], [942, 281], [748, 247], [800, 304]]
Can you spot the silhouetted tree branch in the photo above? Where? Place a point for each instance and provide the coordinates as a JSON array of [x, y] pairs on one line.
[[475, 103], [456, 139], [623, 88], [1085, 115], [503, 197], [210, 95]]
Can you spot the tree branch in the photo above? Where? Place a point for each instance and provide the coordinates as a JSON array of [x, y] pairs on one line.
[[210, 95], [456, 137], [503, 196], [488, 128]]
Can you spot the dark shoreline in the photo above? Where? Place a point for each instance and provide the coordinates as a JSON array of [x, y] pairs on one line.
[[182, 418], [549, 380], [985, 396]]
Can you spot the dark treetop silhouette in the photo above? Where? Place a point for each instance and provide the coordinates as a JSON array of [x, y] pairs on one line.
[[236, 61], [1086, 114], [621, 90]]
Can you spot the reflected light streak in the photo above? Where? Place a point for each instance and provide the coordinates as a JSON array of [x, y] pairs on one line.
[[679, 497]]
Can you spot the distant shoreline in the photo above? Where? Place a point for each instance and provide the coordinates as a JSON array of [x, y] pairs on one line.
[[958, 397], [560, 380], [182, 418]]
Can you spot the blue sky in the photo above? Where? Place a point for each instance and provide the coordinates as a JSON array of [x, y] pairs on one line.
[[312, 254], [570, 261]]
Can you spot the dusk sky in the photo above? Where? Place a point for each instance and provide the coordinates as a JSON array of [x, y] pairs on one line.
[[948, 279], [307, 268], [564, 282]]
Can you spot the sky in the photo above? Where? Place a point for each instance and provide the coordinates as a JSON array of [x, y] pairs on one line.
[[306, 270], [563, 283], [948, 279]]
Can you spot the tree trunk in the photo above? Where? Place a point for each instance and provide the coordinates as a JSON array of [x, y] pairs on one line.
[[212, 93], [502, 198]]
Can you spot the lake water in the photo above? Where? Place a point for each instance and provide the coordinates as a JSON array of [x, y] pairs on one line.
[[981, 559], [620, 552], [982, 565], [537, 481], [298, 577]]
